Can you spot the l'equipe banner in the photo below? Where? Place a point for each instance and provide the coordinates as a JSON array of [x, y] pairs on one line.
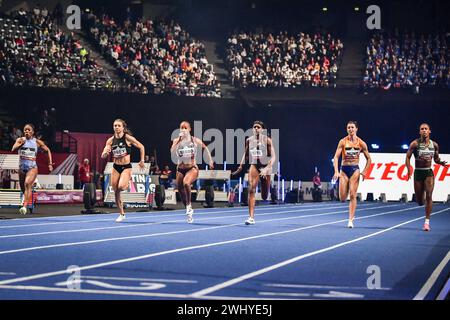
[[388, 174]]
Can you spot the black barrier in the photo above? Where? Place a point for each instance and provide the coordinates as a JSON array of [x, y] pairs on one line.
[[89, 198], [160, 196], [209, 196]]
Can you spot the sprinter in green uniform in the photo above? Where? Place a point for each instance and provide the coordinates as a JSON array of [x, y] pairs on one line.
[[424, 150]]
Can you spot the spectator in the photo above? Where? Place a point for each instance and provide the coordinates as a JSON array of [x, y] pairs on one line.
[[265, 60], [407, 61], [156, 56], [39, 53], [15, 133], [84, 173], [317, 188], [153, 165], [166, 177]]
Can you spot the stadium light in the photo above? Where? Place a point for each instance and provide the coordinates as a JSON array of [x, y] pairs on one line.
[[375, 146], [405, 146], [356, 9], [324, 9]]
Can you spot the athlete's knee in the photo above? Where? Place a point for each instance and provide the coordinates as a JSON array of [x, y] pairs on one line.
[[352, 196], [122, 187], [186, 185], [28, 185]]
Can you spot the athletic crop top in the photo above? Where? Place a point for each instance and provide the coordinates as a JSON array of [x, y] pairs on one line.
[[424, 153], [351, 150], [187, 149], [28, 151], [120, 148], [258, 151]]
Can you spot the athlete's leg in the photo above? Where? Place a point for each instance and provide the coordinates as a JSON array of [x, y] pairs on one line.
[[115, 177], [188, 179], [343, 187], [179, 181], [265, 187], [253, 180], [429, 187], [419, 190], [353, 186], [30, 178]]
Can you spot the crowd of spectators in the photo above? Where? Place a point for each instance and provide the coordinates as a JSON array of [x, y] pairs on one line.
[[264, 59], [155, 56], [401, 60], [45, 128], [35, 51]]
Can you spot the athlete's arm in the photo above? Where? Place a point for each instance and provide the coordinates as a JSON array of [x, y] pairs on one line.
[[200, 142], [337, 154], [107, 148], [409, 153], [366, 153], [437, 159], [239, 169], [176, 141], [18, 144], [138, 145], [44, 147]]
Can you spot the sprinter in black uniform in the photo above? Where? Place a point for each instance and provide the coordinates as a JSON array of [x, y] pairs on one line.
[[184, 149], [424, 150], [260, 155], [120, 145]]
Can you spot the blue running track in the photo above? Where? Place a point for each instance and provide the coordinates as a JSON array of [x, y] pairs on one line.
[[292, 252]]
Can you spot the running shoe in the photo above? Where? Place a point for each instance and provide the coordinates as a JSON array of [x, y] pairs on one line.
[[120, 218], [426, 227], [350, 224], [23, 210], [189, 213], [250, 221]]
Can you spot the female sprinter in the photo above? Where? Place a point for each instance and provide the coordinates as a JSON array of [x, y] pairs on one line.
[[260, 154], [28, 170], [184, 148], [350, 147], [424, 150], [120, 145]]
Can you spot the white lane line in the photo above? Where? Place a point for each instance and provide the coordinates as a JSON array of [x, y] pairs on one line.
[[7, 273], [253, 274], [138, 279], [445, 290], [329, 295], [310, 286], [93, 291], [207, 245], [156, 215], [432, 279], [142, 215], [137, 225], [126, 293], [179, 231]]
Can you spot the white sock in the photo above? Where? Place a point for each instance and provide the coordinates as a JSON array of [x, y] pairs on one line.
[[427, 221]]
